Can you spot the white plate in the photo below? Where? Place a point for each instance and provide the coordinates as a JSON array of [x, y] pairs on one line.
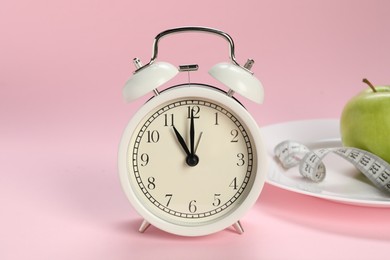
[[343, 182]]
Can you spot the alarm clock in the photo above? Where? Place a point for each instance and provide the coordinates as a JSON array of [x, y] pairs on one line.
[[191, 160]]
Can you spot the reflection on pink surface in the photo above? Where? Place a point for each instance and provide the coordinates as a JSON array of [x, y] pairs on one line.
[[62, 67]]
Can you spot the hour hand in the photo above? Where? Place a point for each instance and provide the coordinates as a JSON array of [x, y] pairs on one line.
[[181, 141], [191, 159]]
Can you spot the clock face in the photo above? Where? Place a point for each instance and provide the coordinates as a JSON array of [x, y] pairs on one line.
[[191, 161]]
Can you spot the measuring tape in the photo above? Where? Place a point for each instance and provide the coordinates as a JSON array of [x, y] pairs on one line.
[[310, 163]]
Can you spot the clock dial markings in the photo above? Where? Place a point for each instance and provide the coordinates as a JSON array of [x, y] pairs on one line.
[[182, 199]]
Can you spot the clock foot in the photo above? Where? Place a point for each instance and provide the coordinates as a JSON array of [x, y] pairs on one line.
[[238, 227], [144, 226]]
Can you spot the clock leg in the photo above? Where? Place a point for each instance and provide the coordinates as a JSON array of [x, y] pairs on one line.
[[238, 227], [144, 226]]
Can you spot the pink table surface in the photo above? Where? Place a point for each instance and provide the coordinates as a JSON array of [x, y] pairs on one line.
[[62, 67]]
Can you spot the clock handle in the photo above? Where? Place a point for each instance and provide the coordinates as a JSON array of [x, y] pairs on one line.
[[195, 29], [236, 77]]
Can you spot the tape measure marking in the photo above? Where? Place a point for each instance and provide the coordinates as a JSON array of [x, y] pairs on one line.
[[310, 163]]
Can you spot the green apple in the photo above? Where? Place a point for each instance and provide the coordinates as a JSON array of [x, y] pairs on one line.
[[365, 121]]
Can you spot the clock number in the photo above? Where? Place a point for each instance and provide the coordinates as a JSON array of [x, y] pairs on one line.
[[151, 184], [168, 119], [145, 159], [241, 160], [216, 118], [234, 134], [195, 110], [192, 207], [153, 136], [217, 200], [233, 184], [169, 196]]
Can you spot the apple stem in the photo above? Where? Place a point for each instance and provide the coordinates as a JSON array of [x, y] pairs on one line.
[[369, 84]]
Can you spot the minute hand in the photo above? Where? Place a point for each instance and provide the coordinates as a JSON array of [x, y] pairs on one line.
[[192, 134]]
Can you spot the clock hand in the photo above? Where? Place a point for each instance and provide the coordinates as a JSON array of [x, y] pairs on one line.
[[181, 141], [192, 134], [191, 159], [197, 143]]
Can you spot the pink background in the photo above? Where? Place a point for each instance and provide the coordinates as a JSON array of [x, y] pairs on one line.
[[62, 67]]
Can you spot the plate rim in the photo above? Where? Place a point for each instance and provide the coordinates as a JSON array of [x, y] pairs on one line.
[[334, 198]]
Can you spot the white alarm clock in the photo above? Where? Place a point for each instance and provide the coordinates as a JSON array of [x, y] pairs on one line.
[[191, 160]]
